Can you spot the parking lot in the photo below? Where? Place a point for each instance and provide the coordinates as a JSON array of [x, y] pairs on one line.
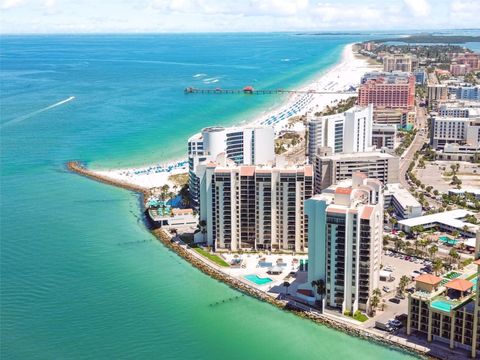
[[399, 268]]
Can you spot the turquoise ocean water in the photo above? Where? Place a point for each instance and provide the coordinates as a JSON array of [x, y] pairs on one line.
[[81, 277]]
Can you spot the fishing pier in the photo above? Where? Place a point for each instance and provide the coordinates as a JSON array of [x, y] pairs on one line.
[[252, 91]]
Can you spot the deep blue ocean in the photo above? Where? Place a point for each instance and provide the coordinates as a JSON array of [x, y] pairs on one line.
[[81, 277]]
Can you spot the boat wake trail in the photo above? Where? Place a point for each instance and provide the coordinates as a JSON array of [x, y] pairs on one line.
[[28, 116]]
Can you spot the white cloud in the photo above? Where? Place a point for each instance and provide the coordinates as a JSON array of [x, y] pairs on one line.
[[418, 8], [11, 4], [236, 15], [49, 3]]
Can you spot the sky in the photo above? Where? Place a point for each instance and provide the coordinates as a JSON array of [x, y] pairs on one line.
[[132, 16]]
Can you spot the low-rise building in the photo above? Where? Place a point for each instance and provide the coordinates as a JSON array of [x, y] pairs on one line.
[[403, 203], [331, 168], [456, 152], [448, 221]]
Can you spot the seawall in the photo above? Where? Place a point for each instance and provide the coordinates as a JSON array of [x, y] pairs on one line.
[[204, 266]]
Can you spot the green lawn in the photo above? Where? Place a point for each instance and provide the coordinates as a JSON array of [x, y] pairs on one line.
[[360, 317], [216, 259]]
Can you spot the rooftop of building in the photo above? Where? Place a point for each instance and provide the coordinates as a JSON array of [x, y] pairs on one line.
[[429, 279], [456, 288], [250, 170], [360, 155], [402, 195], [451, 218]]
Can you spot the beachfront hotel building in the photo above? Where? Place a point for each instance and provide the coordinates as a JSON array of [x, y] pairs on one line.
[[348, 132], [249, 207], [345, 231], [447, 309], [387, 90], [330, 168], [399, 62], [243, 145]]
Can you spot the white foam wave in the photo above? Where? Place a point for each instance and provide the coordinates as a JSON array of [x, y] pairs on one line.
[[27, 116]]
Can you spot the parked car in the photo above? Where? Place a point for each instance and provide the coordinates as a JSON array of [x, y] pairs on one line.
[[386, 289], [394, 300], [395, 323]]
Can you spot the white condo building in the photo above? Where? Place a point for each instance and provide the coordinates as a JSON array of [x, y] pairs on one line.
[[462, 131], [243, 145], [331, 168], [345, 231], [348, 132], [254, 207]]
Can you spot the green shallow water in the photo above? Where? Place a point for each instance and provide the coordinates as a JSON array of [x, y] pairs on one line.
[[81, 277]]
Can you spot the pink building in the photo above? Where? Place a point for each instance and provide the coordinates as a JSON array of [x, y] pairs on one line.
[[387, 90], [471, 59], [460, 69]]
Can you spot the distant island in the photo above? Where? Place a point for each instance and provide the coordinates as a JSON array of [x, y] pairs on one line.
[[432, 39]]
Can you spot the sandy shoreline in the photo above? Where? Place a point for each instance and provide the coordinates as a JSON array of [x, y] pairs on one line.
[[340, 77]]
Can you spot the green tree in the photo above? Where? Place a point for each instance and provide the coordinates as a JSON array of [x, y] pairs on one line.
[[432, 250], [319, 286], [437, 265], [404, 281], [454, 256]]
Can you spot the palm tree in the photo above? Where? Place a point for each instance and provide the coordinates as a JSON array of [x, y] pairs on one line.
[[432, 251], [286, 284], [453, 254], [319, 285], [377, 292], [399, 244], [375, 300], [437, 265], [404, 281]]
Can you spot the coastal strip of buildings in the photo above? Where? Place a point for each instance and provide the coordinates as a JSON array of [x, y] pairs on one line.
[[330, 200]]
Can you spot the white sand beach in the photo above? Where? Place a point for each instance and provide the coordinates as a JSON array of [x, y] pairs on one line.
[[343, 76]]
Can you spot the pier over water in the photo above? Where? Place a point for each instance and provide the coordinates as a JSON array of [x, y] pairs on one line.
[[251, 90]]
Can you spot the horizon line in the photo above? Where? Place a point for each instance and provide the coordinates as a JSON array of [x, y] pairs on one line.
[[132, 32]]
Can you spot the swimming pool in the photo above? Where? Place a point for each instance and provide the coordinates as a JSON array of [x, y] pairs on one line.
[[441, 305], [258, 280], [447, 240]]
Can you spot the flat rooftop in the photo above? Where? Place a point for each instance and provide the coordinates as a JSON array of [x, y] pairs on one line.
[[449, 218], [360, 155], [402, 195]]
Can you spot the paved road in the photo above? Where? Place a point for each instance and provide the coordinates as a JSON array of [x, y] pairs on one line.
[[417, 143]]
